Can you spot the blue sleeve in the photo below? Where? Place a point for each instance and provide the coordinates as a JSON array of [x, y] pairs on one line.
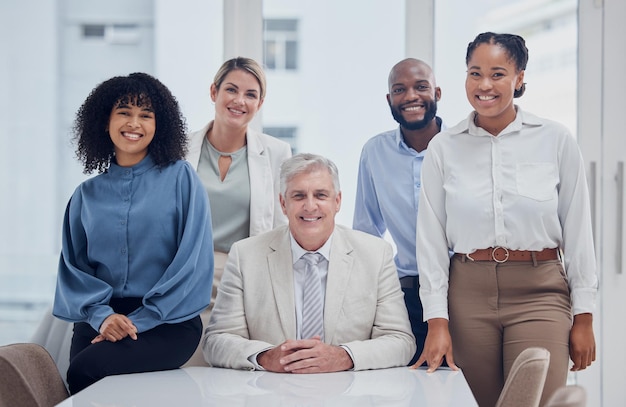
[[184, 290], [367, 215], [80, 296]]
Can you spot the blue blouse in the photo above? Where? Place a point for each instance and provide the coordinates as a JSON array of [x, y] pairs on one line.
[[139, 231]]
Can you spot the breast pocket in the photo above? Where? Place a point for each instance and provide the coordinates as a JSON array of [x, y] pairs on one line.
[[537, 181]]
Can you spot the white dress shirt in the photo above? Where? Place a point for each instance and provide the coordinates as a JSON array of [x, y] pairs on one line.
[[524, 190]]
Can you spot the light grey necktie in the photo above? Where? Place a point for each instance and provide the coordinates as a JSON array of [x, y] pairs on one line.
[[313, 298]]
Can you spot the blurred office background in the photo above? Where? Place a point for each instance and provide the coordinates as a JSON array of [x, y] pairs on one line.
[[327, 63]]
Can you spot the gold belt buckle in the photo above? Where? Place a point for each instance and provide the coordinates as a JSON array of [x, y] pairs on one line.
[[506, 254]]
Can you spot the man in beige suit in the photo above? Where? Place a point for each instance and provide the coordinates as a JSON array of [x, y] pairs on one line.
[[260, 319]]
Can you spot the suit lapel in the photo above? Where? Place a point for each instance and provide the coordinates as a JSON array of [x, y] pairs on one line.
[[340, 269], [261, 185], [281, 276]]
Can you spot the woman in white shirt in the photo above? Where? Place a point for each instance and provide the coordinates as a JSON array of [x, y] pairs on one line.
[[238, 166], [506, 191]]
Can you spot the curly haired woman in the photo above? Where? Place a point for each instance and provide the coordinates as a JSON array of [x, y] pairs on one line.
[[136, 264]]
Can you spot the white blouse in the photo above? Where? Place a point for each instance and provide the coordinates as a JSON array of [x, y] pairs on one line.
[[524, 190]]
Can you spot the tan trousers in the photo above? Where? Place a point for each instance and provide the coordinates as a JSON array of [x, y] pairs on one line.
[[498, 310], [219, 260]]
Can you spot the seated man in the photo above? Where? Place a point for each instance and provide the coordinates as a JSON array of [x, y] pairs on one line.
[[265, 315]]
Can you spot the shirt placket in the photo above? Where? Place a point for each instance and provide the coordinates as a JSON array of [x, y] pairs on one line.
[[127, 182], [496, 176]]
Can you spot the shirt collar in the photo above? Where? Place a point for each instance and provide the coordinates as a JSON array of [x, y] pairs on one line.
[[142, 166], [297, 251], [404, 146], [521, 119]]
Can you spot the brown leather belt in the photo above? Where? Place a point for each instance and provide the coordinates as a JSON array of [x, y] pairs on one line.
[[502, 255]]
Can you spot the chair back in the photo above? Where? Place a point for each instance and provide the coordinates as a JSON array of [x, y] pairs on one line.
[[29, 377], [568, 396], [524, 385], [55, 335]]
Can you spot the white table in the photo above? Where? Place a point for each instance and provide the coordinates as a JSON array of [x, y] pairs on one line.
[[205, 386]]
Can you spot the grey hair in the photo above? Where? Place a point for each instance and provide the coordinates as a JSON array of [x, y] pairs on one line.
[[305, 163]]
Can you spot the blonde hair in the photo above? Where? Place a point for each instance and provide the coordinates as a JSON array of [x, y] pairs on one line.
[[244, 64]]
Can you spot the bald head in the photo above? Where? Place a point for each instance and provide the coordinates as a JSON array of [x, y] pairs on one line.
[[413, 95], [413, 67]]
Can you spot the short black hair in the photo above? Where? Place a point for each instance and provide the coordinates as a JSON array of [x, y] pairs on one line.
[[90, 132], [514, 45]]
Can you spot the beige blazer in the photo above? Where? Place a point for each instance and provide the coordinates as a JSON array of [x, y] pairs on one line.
[[265, 155], [364, 308]]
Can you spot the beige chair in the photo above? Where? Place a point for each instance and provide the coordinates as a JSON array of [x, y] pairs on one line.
[[568, 396], [526, 379], [29, 377]]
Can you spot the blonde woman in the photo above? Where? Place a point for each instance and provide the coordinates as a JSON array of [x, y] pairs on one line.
[[238, 166]]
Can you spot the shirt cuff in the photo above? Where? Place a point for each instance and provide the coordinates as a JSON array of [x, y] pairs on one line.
[[347, 349], [435, 306], [583, 301], [253, 359]]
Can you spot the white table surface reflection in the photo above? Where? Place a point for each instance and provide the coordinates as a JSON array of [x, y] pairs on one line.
[[204, 386]]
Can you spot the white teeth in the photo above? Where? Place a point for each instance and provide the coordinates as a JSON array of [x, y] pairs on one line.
[[236, 111], [132, 136], [412, 109], [309, 219], [486, 97]]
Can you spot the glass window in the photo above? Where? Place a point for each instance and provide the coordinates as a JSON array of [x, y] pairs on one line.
[[281, 44], [93, 30], [287, 134]]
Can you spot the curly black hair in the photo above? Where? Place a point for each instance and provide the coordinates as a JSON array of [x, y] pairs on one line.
[[514, 45], [94, 146]]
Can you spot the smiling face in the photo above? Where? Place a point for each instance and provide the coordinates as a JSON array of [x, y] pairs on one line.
[[310, 204], [131, 129], [492, 78], [413, 94], [237, 99]]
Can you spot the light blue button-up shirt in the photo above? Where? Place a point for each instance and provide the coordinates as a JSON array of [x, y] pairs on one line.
[[387, 195]]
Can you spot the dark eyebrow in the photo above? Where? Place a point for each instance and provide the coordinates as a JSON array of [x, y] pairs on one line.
[[125, 105], [497, 68]]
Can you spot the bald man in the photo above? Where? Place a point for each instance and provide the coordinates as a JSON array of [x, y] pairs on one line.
[[389, 176]]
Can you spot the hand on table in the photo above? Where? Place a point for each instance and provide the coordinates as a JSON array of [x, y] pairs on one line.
[[437, 346], [305, 356]]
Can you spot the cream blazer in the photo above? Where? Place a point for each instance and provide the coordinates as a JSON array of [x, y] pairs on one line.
[[265, 155], [364, 308]]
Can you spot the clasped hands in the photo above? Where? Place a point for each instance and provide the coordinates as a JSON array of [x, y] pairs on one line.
[[305, 356], [115, 328]]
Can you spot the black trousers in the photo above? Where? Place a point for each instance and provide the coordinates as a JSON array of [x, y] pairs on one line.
[[416, 316], [165, 347]]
